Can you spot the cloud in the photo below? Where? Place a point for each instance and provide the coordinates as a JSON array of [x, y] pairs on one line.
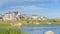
[[31, 8], [25, 8], [25, 4], [3, 2], [41, 0]]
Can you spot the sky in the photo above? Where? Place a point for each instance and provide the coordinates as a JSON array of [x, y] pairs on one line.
[[48, 8]]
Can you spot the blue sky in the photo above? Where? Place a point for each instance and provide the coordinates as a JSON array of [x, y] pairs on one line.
[[48, 8]]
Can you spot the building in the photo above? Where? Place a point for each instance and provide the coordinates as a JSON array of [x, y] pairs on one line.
[[43, 18], [39, 18], [34, 17], [23, 17], [10, 16], [1, 18]]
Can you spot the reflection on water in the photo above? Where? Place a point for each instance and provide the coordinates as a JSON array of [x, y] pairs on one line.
[[41, 29]]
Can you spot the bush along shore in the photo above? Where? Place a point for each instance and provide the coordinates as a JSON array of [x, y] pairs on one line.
[[8, 25], [11, 30], [26, 22]]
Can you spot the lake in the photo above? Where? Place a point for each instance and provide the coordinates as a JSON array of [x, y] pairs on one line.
[[41, 29]]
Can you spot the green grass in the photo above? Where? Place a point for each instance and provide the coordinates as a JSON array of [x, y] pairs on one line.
[[8, 23], [24, 22], [11, 31]]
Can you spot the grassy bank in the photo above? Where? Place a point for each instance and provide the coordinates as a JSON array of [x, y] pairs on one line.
[[11, 31], [24, 22], [12, 22]]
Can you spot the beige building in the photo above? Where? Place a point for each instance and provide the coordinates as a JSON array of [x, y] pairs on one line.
[[43, 18], [10, 16], [34, 17]]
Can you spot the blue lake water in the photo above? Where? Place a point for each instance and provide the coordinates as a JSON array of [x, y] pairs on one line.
[[40, 29]]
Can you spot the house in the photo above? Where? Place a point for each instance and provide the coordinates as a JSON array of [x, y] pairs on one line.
[[23, 17], [43, 18], [10, 16], [1, 18], [34, 17], [39, 18]]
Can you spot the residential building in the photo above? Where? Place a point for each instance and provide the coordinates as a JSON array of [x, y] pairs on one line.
[[39, 18], [1, 18], [43, 18], [34, 17], [10, 16], [23, 17]]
